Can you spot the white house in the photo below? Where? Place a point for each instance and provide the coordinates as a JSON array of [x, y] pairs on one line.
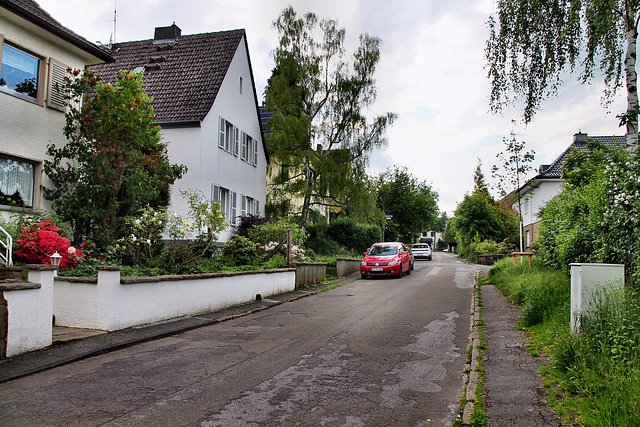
[[544, 186], [36, 51], [204, 97]]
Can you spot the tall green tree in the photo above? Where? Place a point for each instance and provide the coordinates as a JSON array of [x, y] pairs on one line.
[[319, 139], [534, 42], [114, 164], [411, 203], [480, 183]]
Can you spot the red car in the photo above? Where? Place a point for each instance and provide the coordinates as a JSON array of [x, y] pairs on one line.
[[386, 259]]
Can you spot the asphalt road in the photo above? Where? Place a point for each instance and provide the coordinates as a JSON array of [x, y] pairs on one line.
[[373, 352]]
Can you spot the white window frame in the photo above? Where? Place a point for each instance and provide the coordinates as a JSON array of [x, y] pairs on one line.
[[228, 200]]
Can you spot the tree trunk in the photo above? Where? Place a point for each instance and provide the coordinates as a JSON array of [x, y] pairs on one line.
[[632, 85]]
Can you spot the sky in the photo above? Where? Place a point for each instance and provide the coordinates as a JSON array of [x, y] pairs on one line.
[[431, 73]]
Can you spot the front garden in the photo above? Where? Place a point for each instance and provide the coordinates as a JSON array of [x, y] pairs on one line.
[[159, 242]]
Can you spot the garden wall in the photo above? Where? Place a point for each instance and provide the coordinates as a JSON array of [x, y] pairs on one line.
[[308, 273], [111, 302], [346, 266], [27, 322]]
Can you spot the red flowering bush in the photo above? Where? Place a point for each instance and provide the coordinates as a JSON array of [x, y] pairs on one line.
[[39, 241]]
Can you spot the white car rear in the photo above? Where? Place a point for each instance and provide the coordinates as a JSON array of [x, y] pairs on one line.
[[421, 250]]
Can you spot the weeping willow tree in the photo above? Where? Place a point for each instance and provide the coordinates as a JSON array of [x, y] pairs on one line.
[[533, 42]]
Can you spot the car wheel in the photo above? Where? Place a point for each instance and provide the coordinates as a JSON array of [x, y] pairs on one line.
[[400, 272], [363, 277], [409, 269], [413, 265]]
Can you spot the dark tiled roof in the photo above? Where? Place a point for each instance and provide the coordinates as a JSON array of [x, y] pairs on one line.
[[183, 77], [32, 12], [265, 115], [554, 170]]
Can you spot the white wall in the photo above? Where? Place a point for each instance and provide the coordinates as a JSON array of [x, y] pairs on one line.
[[30, 314], [111, 305], [197, 148], [544, 192]]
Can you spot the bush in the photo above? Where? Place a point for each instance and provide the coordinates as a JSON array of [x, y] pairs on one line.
[[240, 251], [39, 241], [276, 231], [342, 234], [487, 247]]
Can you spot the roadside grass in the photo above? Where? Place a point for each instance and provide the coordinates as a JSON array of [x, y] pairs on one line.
[[592, 376]]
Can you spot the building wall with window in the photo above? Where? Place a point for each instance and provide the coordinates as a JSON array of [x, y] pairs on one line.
[[31, 111], [225, 156]]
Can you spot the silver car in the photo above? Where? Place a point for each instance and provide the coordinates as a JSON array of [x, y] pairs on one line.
[[421, 250]]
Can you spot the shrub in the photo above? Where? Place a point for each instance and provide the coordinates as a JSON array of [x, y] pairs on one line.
[[276, 231], [240, 251], [39, 241]]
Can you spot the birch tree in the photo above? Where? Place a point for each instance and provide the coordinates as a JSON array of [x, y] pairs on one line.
[[534, 42], [319, 139]]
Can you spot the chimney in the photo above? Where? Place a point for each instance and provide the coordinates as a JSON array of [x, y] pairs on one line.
[[580, 138], [164, 35], [319, 148]]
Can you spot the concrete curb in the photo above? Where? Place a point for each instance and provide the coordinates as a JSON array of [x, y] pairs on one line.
[[471, 370]]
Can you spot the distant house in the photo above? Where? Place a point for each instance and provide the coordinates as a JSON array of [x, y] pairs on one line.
[[544, 186], [36, 51], [204, 97]]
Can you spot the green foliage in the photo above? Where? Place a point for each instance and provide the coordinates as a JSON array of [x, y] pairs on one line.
[[144, 240], [114, 163], [487, 247], [318, 99], [599, 366], [412, 203], [276, 231], [533, 44], [341, 236], [240, 251]]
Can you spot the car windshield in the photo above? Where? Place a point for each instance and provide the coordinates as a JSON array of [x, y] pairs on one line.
[[419, 246], [383, 250]]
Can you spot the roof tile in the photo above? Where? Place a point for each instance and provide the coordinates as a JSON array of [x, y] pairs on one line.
[[187, 81]]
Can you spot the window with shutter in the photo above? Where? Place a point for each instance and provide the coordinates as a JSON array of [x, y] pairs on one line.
[[236, 137], [233, 200], [255, 153], [55, 96], [222, 128]]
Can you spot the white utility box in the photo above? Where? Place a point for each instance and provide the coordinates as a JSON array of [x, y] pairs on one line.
[[587, 278]]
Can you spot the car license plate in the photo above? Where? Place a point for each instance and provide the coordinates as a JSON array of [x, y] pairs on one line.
[[376, 269]]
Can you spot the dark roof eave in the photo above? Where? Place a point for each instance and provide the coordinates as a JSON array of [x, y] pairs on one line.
[[180, 124], [82, 44]]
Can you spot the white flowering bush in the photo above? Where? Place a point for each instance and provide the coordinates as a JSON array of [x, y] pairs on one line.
[[144, 239], [193, 236]]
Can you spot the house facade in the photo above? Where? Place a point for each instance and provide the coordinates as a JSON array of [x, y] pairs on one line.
[[544, 186], [36, 51], [205, 100]]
